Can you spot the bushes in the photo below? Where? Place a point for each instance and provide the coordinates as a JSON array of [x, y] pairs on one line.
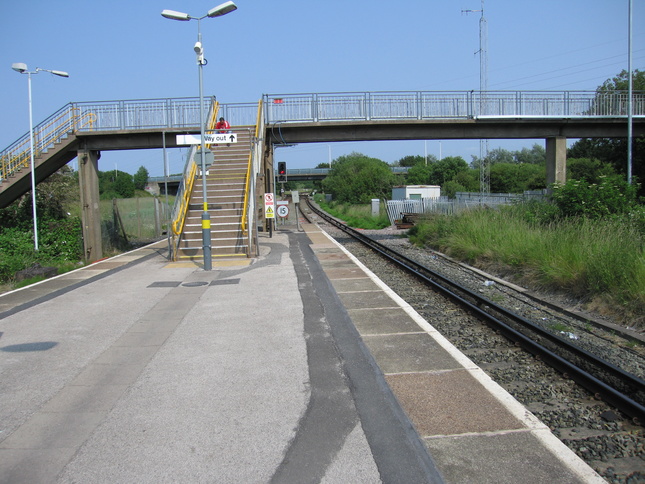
[[16, 252], [610, 196], [59, 242]]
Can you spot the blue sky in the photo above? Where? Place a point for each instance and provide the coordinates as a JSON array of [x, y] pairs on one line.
[[124, 49]]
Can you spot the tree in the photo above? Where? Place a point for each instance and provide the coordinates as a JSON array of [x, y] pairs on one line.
[[621, 82], [516, 178], [468, 180], [124, 186], [589, 169], [446, 169], [53, 195], [115, 184], [496, 155], [419, 174], [437, 172], [534, 156], [357, 178], [614, 150], [141, 178], [412, 160]]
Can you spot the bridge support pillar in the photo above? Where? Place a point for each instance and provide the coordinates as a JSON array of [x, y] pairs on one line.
[[88, 176], [556, 160]]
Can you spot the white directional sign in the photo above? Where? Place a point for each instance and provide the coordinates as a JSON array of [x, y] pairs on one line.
[[214, 138]]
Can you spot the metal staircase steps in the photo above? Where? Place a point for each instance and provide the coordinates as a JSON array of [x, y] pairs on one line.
[[225, 186]]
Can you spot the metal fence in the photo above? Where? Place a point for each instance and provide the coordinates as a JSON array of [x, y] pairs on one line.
[[142, 113], [138, 114], [374, 106], [133, 221], [462, 201]]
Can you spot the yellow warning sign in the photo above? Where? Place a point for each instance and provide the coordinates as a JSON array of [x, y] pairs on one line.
[[269, 205]]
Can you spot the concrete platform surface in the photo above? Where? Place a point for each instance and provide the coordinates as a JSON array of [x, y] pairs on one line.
[[297, 366]]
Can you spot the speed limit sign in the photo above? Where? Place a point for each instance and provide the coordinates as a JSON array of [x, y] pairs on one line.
[[283, 211]]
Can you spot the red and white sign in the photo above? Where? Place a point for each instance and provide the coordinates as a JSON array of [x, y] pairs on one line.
[[269, 205]]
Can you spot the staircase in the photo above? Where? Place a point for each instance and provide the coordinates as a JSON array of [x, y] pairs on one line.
[[225, 188], [15, 172]]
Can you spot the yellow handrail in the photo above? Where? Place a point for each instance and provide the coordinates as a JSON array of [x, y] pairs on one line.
[[249, 169], [212, 121], [22, 159], [178, 224]]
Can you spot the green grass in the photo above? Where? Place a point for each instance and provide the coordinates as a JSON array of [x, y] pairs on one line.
[[595, 260], [357, 216], [137, 215]]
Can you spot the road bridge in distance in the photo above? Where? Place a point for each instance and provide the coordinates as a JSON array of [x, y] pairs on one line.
[[293, 174]]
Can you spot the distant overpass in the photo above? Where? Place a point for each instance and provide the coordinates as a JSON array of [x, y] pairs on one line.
[[293, 174]]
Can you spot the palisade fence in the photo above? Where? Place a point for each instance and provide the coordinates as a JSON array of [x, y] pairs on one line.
[[396, 209], [134, 221]]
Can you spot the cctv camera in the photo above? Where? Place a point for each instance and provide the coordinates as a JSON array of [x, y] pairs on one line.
[[198, 48], [19, 67]]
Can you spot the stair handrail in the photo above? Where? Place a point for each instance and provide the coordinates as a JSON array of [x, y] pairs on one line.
[[249, 169], [186, 188], [55, 128]]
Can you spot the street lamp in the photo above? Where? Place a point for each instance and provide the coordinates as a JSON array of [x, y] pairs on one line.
[[223, 9], [22, 69]]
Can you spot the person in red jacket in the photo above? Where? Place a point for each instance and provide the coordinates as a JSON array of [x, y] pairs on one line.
[[222, 126]]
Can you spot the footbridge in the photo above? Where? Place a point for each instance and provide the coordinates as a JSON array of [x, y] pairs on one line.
[[243, 172]]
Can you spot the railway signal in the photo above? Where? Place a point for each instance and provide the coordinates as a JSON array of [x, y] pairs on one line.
[[282, 172]]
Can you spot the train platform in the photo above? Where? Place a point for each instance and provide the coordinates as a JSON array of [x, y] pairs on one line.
[[298, 366]]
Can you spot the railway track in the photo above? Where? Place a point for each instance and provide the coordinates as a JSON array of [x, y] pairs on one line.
[[585, 383]]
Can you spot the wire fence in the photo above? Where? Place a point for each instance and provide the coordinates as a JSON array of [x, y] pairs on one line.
[[398, 209], [134, 221]]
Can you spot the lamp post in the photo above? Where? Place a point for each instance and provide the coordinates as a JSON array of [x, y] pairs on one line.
[[223, 9], [22, 69]]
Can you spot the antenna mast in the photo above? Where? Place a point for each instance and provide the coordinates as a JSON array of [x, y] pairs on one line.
[[484, 166]]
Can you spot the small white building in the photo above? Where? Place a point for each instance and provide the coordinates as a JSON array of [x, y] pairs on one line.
[[415, 192]]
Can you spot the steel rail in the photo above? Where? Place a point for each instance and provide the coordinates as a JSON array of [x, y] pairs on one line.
[[570, 370]]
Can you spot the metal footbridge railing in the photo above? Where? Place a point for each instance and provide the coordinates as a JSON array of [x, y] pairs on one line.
[[115, 116], [183, 113], [427, 105]]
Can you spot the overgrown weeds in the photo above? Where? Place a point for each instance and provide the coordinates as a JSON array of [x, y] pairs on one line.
[[357, 216], [599, 261]]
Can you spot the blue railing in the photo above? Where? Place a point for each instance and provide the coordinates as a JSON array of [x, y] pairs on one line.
[[423, 105]]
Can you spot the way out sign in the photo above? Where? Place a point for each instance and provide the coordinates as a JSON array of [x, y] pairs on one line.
[[213, 138], [269, 205]]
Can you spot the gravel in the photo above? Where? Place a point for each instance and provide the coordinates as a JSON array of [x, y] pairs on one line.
[[607, 440]]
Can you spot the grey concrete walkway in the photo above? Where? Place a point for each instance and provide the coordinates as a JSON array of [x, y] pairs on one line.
[[140, 370], [296, 367]]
